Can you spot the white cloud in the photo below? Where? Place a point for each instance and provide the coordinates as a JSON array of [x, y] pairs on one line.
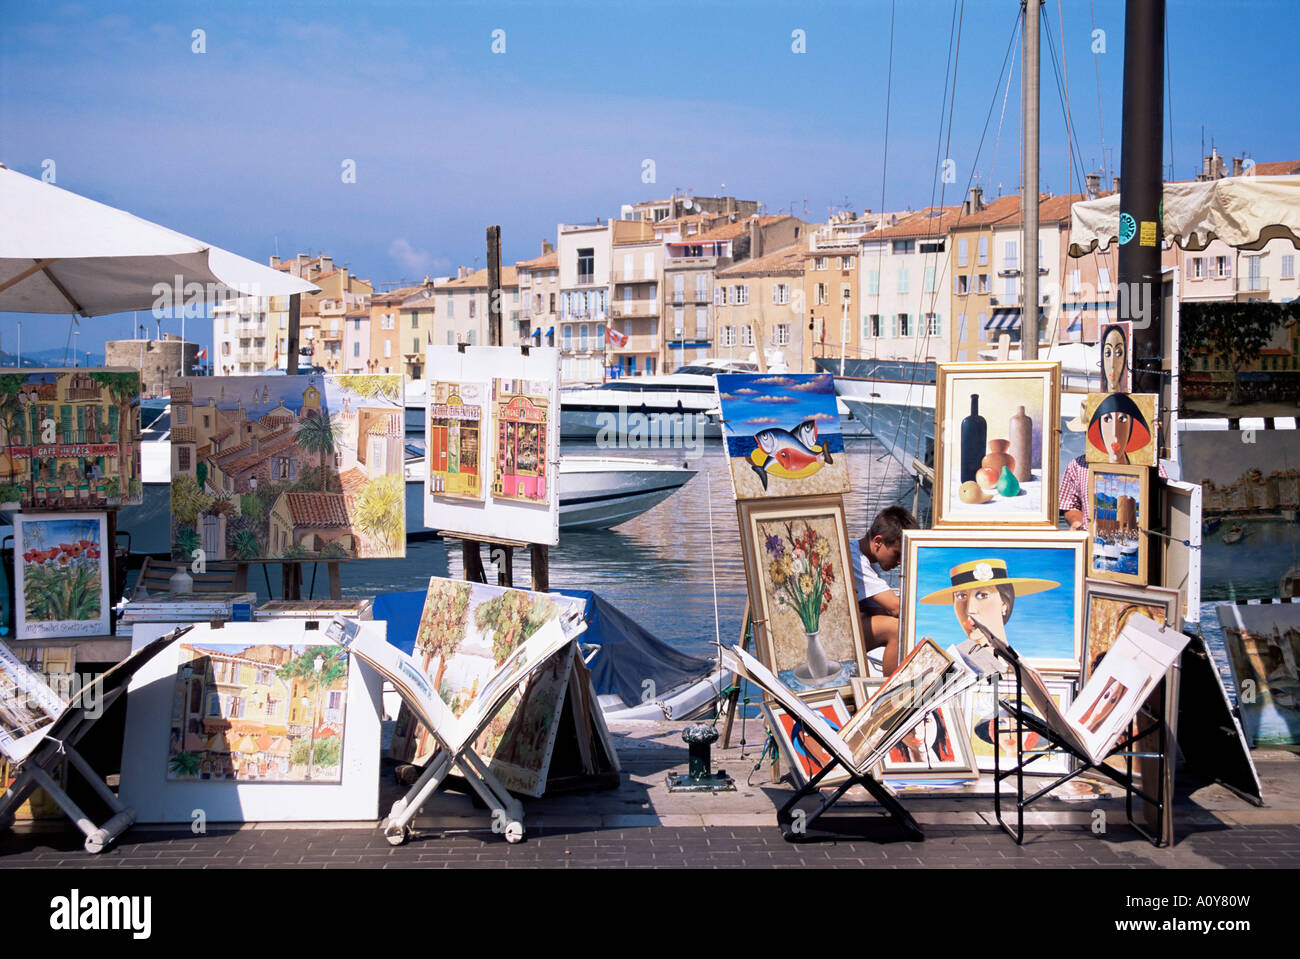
[[412, 260]]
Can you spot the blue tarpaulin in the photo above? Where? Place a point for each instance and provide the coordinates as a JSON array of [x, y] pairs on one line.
[[629, 655]]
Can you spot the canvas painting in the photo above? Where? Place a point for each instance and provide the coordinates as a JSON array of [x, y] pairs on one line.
[[1030, 583], [454, 433], [1122, 428], [28, 707], [801, 588], [939, 747], [782, 434], [989, 731], [1264, 647], [61, 575], [467, 632], [996, 457], [70, 439], [521, 414], [266, 713], [1250, 499], [1108, 608], [899, 696], [1119, 543], [800, 750], [1116, 345], [303, 467]]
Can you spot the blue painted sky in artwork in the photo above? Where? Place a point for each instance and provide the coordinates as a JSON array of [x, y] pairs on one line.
[[1041, 624], [42, 534], [261, 394], [751, 402]]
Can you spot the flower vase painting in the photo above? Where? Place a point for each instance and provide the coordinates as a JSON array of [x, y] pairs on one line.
[[799, 578], [61, 575]]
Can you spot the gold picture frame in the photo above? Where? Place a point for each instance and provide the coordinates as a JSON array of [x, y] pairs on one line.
[[789, 545], [1119, 544], [996, 417]]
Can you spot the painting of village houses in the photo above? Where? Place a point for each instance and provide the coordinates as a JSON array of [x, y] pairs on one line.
[[265, 713], [288, 467], [70, 439]]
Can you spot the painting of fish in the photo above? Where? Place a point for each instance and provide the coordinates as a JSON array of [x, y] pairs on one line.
[[782, 434]]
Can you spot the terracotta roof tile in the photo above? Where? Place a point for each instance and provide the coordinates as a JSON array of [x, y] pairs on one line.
[[547, 261], [318, 510], [728, 231], [478, 280], [1277, 168], [786, 260]]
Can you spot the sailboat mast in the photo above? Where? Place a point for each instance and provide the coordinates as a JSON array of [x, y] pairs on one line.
[[1029, 200], [1141, 229]]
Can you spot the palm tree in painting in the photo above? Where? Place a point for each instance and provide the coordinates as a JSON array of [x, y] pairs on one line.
[[318, 435]]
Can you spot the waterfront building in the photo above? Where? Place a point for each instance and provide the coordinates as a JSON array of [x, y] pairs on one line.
[[160, 362], [633, 343], [830, 285], [583, 252], [758, 307], [461, 307], [539, 296], [970, 252], [401, 326]]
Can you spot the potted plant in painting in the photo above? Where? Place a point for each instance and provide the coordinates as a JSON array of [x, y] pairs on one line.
[[802, 580]]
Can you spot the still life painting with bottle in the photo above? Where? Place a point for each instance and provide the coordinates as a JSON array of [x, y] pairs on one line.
[[996, 459]]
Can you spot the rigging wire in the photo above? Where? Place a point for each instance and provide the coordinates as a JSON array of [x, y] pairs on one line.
[[884, 169], [1096, 60]]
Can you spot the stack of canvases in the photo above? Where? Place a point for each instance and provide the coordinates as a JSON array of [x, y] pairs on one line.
[[790, 472], [69, 453]]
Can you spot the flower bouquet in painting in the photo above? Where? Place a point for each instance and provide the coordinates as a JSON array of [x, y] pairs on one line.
[[802, 577]]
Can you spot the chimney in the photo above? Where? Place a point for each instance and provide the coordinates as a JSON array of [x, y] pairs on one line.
[[729, 206], [1236, 166], [302, 259], [597, 221], [547, 247], [275, 262], [462, 272], [255, 444], [1093, 181], [755, 238], [1114, 184], [976, 201], [1216, 164], [326, 264]]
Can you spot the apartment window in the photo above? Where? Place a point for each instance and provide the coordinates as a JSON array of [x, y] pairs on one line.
[[568, 337], [1288, 267], [742, 294], [846, 262], [1254, 280], [473, 303], [902, 280], [415, 320], [388, 349], [904, 246], [679, 288], [904, 325], [962, 253], [932, 324], [1040, 254], [356, 349], [819, 294], [746, 335], [1009, 289], [451, 337], [846, 293], [983, 322], [586, 264], [984, 286], [728, 336], [819, 263], [600, 336], [701, 287], [781, 334], [473, 337], [719, 295], [552, 310], [1103, 279], [183, 458], [1222, 266], [451, 308], [930, 279], [1010, 261], [961, 327], [873, 282], [931, 246], [1074, 282], [582, 336], [877, 325], [701, 323], [648, 265], [1198, 268], [780, 293], [982, 251], [386, 321], [415, 345], [678, 322]]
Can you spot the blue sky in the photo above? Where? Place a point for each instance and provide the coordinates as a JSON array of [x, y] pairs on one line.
[[243, 145]]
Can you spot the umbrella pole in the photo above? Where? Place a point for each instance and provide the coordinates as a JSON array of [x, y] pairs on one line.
[[291, 572]]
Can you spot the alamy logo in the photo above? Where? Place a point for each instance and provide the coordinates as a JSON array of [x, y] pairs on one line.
[[76, 912]]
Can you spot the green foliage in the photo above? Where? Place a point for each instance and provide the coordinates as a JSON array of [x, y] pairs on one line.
[[12, 493], [373, 386], [251, 505], [137, 489], [201, 473], [188, 500], [329, 751], [1235, 331], [334, 666], [510, 619], [113, 487], [298, 754], [318, 435], [294, 551], [122, 386], [184, 765], [333, 550], [56, 593], [445, 617], [187, 541], [381, 512], [246, 545]]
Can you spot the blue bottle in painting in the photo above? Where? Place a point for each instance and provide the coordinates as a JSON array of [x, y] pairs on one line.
[[974, 441]]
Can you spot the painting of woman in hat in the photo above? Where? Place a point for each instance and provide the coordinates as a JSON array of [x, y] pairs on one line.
[[983, 594], [1117, 429]]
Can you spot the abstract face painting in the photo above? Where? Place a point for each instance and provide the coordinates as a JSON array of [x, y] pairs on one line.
[[1116, 373], [1121, 428]]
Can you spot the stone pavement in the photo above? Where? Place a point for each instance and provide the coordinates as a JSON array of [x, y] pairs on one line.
[[640, 825]]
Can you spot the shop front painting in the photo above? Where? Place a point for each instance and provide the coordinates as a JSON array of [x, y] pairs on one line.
[[782, 434], [801, 586], [288, 467], [61, 574], [454, 432], [522, 414], [70, 439], [265, 713]]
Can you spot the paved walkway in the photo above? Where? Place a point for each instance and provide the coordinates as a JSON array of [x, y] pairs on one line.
[[640, 824]]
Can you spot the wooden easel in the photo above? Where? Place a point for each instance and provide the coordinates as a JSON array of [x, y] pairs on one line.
[[291, 578], [733, 697], [475, 572]]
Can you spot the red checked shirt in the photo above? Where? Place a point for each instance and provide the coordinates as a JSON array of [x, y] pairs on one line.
[[1073, 491]]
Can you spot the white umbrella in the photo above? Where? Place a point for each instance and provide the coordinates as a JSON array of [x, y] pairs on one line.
[[1245, 212], [63, 253]]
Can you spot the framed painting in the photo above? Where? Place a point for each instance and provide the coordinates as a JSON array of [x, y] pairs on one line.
[[521, 411], [1264, 649], [70, 439], [992, 729], [1116, 345], [1031, 581], [28, 707], [801, 591], [996, 452], [1122, 428], [801, 751], [1119, 502], [454, 434], [61, 575], [302, 467], [782, 434], [1108, 607], [938, 748]]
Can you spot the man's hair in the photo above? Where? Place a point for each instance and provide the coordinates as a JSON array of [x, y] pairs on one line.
[[890, 523]]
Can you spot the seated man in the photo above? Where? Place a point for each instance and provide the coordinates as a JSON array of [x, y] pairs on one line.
[[881, 548]]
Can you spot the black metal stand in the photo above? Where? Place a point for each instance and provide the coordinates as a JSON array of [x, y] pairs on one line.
[[1027, 720], [796, 825]]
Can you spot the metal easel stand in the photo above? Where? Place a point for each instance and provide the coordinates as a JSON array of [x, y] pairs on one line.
[[503, 807], [34, 772], [1122, 779], [796, 824]]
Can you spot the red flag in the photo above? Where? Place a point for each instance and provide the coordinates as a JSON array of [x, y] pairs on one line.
[[615, 338]]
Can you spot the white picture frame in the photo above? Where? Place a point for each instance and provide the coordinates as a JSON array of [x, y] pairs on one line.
[[51, 558]]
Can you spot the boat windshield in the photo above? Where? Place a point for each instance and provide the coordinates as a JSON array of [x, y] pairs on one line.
[[158, 427], [715, 370]]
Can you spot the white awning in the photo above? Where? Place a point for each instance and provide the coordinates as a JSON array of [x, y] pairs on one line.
[[1246, 212]]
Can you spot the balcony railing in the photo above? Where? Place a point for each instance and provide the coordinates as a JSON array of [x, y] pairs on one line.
[[586, 279], [703, 262], [635, 308]]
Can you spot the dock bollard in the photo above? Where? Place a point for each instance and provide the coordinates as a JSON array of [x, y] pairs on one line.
[[699, 737]]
